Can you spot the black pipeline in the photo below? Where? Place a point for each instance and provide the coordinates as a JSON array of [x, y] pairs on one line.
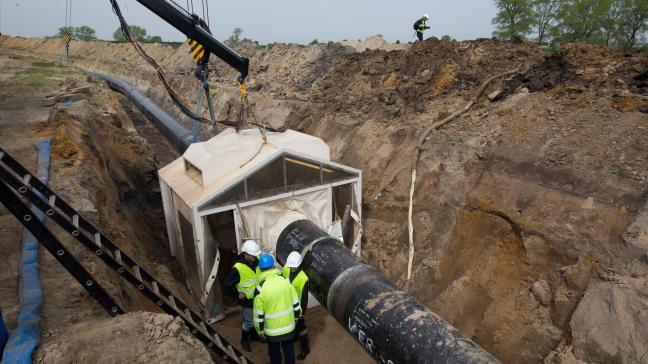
[[391, 325], [165, 123]]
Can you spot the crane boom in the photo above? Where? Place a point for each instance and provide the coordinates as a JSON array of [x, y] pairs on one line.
[[191, 27]]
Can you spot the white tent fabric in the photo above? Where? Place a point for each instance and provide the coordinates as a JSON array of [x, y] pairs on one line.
[[266, 221], [230, 155]]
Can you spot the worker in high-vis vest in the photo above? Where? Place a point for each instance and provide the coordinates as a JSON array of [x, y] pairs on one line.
[[299, 280], [239, 284], [420, 26], [276, 309]]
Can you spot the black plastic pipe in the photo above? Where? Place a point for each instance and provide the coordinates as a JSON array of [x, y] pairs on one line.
[[390, 324], [177, 134]]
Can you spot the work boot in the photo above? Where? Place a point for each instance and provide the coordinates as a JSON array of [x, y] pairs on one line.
[[305, 347], [245, 341]]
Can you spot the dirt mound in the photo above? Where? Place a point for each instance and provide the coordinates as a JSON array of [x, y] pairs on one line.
[[386, 85], [530, 209], [534, 190], [373, 43], [133, 337]]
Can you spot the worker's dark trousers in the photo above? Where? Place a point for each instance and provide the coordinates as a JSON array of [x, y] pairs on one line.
[[275, 349], [419, 35]]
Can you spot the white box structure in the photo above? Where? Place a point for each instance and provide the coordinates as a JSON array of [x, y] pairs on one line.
[[248, 185]]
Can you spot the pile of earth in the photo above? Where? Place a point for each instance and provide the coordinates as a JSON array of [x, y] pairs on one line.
[[141, 337], [530, 211]]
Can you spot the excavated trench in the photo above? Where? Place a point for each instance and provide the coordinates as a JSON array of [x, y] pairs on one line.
[[530, 209]]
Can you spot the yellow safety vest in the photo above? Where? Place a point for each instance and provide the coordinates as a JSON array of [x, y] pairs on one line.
[[276, 306], [247, 279], [421, 27], [298, 282]]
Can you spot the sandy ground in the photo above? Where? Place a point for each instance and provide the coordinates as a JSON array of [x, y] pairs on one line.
[[531, 209], [86, 136]]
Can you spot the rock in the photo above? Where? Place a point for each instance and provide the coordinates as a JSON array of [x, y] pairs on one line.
[[132, 337], [562, 355], [610, 324], [637, 233], [494, 96], [537, 249], [609, 69], [542, 292]]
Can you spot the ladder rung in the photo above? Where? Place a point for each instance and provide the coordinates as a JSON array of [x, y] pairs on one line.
[[156, 289], [52, 200], [188, 313], [118, 258], [172, 303], [232, 353], [218, 340], [204, 328], [26, 179], [75, 220], [97, 237], [136, 270]]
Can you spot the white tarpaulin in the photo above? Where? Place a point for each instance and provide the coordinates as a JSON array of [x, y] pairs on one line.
[[265, 221]]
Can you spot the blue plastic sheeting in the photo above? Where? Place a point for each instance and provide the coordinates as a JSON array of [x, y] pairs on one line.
[[4, 335], [26, 337]]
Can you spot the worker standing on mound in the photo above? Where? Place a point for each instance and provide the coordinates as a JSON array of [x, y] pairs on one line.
[[420, 26], [240, 283], [276, 308], [299, 280]]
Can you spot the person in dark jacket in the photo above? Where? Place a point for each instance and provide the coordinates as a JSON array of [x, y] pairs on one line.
[[420, 26], [239, 284]]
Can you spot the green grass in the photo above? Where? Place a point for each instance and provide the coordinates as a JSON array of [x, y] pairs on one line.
[[41, 77], [625, 172], [189, 350]]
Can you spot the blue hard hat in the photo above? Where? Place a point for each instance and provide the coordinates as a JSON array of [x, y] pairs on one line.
[[266, 261]]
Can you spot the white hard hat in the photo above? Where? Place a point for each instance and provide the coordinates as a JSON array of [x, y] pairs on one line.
[[251, 247], [426, 16], [294, 260]]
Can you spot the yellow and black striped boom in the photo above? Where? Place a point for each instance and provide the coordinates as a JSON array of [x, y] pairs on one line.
[[196, 49]]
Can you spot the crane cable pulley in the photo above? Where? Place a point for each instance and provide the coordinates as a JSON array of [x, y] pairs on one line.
[[162, 76]]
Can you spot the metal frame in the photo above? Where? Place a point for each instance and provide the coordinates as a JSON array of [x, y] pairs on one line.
[[191, 28], [85, 233], [205, 274], [271, 158]]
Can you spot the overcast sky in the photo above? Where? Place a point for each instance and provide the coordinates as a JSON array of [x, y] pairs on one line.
[[287, 21]]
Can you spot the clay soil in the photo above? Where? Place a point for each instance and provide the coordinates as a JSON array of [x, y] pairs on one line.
[[105, 157], [531, 209]]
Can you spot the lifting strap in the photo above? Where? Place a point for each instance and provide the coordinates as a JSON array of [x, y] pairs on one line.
[[16, 181]]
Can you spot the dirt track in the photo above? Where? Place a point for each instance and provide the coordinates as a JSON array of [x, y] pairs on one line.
[[531, 216]]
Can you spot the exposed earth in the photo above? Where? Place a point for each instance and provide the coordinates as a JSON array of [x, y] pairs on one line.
[[530, 212]]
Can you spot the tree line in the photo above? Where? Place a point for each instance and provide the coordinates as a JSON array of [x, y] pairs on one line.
[[619, 23], [86, 33]]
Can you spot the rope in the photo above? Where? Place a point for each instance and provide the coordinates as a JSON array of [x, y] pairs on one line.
[[417, 155], [207, 2], [162, 76], [196, 123]]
